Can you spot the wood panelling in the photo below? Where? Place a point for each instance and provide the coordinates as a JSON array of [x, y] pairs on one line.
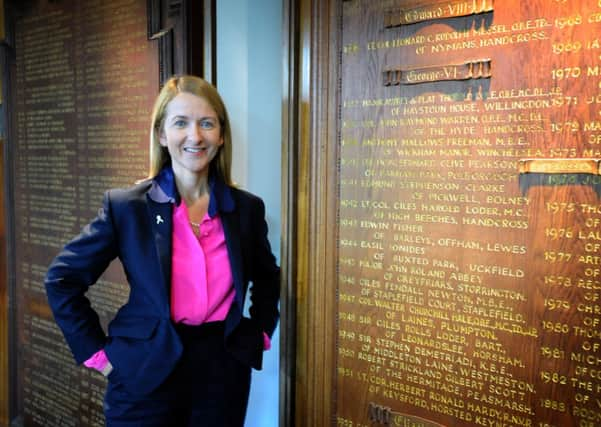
[[3, 272], [311, 196], [3, 301], [386, 195], [290, 127], [111, 36]]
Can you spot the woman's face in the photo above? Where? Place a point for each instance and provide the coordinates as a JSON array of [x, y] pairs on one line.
[[192, 134]]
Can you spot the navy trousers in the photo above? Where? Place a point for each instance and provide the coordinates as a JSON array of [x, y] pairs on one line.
[[208, 388]]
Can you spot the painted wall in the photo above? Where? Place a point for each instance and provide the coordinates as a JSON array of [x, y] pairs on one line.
[[249, 78]]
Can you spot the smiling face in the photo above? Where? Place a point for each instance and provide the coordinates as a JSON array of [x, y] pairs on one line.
[[192, 134]]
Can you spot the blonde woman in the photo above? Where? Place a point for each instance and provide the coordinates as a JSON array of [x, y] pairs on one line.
[[180, 351]]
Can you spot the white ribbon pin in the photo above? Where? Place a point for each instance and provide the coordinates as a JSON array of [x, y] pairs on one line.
[[159, 219]]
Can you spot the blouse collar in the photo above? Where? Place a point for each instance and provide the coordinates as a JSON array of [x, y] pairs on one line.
[[164, 190]]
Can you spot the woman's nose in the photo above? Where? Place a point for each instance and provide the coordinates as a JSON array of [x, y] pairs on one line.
[[194, 132]]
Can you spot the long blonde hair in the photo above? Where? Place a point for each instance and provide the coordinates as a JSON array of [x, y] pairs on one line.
[[159, 156]]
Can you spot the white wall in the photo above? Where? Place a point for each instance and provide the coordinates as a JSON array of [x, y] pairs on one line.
[[249, 78]]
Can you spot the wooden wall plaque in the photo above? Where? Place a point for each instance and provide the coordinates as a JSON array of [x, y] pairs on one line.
[[462, 299], [85, 77], [464, 292], [80, 77]]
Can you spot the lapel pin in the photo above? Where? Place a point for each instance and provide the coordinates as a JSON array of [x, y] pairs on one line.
[[159, 219]]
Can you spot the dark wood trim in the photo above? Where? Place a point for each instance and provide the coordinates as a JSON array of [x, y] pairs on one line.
[[164, 36], [166, 59], [311, 201], [153, 12], [8, 337], [185, 30], [4, 348], [290, 139], [194, 32], [4, 324], [174, 23], [209, 39]]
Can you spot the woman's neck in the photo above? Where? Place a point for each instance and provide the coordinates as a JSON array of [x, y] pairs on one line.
[[192, 187]]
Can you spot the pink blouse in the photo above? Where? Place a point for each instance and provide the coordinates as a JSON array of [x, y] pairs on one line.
[[199, 257]]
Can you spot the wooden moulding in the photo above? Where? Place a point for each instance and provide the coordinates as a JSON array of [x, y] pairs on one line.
[[4, 348], [312, 209], [476, 69], [186, 46], [439, 10], [557, 166]]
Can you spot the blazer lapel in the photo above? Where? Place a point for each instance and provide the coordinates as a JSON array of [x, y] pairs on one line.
[[231, 229], [162, 226]]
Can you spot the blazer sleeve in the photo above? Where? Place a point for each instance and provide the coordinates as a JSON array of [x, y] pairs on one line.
[[265, 275], [71, 273]]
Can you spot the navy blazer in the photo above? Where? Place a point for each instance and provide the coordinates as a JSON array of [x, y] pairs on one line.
[[135, 225]]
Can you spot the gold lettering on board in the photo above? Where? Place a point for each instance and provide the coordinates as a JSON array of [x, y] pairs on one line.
[[476, 69], [440, 10], [558, 166]]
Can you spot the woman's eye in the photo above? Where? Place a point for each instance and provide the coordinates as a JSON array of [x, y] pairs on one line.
[[179, 123], [207, 124]]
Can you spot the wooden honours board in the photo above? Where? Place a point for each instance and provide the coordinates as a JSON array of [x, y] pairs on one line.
[[86, 77], [469, 214]]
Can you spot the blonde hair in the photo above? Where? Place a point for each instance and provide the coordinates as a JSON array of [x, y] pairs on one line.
[[159, 156]]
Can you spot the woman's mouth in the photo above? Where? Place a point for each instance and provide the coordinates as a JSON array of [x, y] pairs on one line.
[[194, 150]]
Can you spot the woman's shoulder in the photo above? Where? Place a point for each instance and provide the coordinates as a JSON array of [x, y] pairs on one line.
[[245, 196], [133, 192]]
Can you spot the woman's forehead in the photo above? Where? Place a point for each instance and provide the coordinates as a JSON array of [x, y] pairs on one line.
[[188, 104]]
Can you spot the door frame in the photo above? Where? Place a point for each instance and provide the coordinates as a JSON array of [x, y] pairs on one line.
[[309, 153]]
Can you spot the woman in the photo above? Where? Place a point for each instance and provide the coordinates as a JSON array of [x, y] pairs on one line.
[[179, 352]]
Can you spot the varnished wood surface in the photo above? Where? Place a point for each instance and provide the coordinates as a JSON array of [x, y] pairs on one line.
[[4, 395], [39, 358], [314, 211], [3, 274], [290, 126], [530, 257]]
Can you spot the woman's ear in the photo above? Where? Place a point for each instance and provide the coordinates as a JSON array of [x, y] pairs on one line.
[[162, 136]]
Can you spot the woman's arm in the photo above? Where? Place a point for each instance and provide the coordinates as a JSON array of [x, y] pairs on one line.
[[71, 273], [265, 289]]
